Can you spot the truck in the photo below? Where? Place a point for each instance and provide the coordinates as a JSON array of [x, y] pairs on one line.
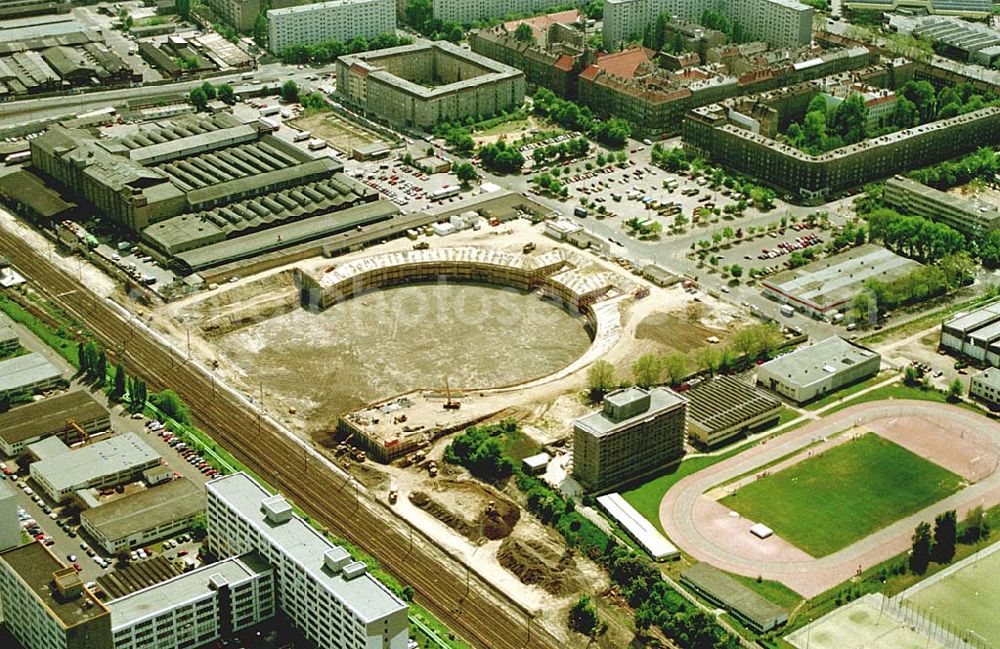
[[269, 124], [787, 310], [301, 136], [316, 144], [267, 111]]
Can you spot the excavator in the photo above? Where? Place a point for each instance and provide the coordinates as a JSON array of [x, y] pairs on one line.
[[449, 404]]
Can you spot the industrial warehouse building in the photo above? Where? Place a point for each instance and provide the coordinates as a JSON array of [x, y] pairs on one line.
[[424, 84], [208, 190], [829, 285], [107, 463], [969, 217], [53, 416], [27, 374], [637, 431], [724, 407], [752, 610], [975, 334], [965, 8], [144, 517], [818, 369]]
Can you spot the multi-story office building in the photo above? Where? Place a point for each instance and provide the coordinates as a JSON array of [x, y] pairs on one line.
[[10, 526], [426, 83], [329, 597], [337, 20], [783, 23], [107, 463], [636, 432], [969, 217], [144, 517], [45, 604], [211, 603], [818, 369]]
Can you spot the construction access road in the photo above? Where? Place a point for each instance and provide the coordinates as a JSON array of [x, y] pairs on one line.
[[472, 607]]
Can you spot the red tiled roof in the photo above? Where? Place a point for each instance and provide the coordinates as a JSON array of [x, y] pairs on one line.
[[540, 24], [564, 63], [625, 63]]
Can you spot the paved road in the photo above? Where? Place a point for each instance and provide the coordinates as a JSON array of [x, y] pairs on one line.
[[814, 576]]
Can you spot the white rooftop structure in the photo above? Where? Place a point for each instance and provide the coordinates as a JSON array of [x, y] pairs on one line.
[[638, 527], [761, 531]]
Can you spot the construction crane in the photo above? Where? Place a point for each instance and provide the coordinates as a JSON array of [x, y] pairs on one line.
[[449, 404], [72, 425]]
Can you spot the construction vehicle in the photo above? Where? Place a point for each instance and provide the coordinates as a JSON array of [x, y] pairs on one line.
[[421, 245], [449, 404], [359, 455], [528, 247], [432, 468], [393, 493]]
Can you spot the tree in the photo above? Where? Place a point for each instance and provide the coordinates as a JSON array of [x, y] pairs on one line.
[[209, 90], [600, 379], [171, 405], [466, 173], [225, 94], [183, 8], [920, 552], [955, 390], [583, 618], [975, 525], [100, 369], [260, 29], [850, 119], [945, 537], [736, 271], [118, 389], [290, 91], [676, 366], [82, 359], [647, 370], [199, 527], [198, 98], [524, 33]]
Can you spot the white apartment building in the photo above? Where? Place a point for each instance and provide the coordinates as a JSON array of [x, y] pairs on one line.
[[468, 11], [329, 597], [337, 20], [10, 526], [782, 23], [196, 608]]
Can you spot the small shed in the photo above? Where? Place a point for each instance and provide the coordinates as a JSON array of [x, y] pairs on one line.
[[761, 531], [536, 463]]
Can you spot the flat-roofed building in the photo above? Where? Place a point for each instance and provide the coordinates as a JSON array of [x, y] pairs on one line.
[[752, 610], [819, 369], [636, 432], [106, 463], [322, 22], [144, 517], [965, 8], [975, 334], [969, 217], [985, 387], [10, 525], [724, 407], [50, 417], [46, 605], [640, 529], [9, 340], [327, 595], [208, 604], [28, 373], [824, 287]]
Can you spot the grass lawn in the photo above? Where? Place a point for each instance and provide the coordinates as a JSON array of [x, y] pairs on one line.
[[773, 591], [506, 127], [848, 391], [831, 500], [901, 391], [787, 414]]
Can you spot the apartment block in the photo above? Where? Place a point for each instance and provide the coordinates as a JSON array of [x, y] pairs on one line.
[[239, 14], [338, 20], [969, 217], [46, 605], [636, 432], [194, 609], [783, 23], [329, 597], [469, 11]]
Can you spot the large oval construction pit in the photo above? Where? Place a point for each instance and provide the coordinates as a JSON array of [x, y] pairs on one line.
[[398, 338]]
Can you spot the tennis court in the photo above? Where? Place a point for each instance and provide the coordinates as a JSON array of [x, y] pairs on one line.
[[862, 623]]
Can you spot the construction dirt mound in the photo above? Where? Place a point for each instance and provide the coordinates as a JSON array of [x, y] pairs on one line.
[[494, 516], [537, 564], [237, 307]]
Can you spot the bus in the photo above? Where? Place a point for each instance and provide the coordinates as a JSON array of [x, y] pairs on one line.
[[19, 157], [445, 192]]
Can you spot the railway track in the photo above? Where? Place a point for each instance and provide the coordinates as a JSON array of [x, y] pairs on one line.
[[471, 606]]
